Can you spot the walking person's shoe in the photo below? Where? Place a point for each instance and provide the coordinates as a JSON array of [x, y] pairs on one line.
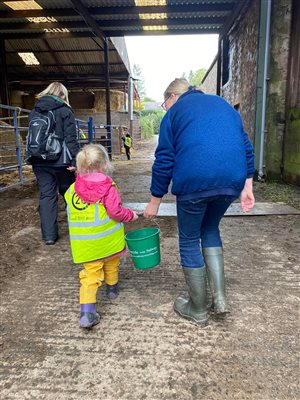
[[214, 262], [194, 309], [50, 242], [112, 291], [88, 316]]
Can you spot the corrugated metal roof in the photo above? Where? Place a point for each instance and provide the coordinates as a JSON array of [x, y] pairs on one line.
[[67, 41]]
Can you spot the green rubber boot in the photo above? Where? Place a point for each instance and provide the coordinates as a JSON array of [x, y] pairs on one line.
[[214, 261], [194, 309]]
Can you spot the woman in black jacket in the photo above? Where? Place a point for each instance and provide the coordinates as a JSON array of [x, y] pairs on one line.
[[57, 175]]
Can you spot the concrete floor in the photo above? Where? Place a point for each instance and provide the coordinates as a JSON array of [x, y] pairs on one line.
[[142, 350]]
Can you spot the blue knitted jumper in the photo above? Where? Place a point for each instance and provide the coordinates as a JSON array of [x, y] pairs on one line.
[[202, 148]]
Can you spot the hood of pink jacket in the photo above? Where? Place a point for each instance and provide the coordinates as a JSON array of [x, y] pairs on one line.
[[92, 187]]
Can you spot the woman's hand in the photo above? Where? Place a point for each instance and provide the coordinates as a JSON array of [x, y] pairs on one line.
[[247, 196], [152, 208], [71, 169]]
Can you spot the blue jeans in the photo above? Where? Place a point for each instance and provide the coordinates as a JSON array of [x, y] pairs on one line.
[[198, 220]]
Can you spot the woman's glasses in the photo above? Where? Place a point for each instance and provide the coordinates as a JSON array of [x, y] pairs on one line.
[[163, 105]]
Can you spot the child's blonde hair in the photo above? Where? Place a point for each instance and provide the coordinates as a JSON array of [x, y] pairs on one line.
[[178, 87], [56, 89], [93, 158]]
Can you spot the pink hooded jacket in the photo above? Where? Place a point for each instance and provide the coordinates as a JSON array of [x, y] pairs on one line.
[[95, 187]]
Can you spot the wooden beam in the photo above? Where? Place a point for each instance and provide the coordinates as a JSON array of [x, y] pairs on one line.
[[135, 10]]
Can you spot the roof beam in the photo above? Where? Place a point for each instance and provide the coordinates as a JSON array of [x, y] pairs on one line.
[[46, 35], [112, 33], [84, 77], [90, 22], [236, 15], [54, 56], [33, 87], [98, 11], [41, 65], [92, 81], [172, 31], [132, 23], [57, 51]]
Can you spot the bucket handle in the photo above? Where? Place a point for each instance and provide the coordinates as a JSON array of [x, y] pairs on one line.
[[141, 214]]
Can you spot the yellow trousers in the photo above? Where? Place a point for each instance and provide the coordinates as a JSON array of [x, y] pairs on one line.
[[92, 276]]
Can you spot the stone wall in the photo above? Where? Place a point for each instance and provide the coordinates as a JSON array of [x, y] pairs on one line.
[[291, 172], [209, 84], [240, 90], [276, 102], [291, 156]]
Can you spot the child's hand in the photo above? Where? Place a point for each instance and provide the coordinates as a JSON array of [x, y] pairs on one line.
[[135, 216]]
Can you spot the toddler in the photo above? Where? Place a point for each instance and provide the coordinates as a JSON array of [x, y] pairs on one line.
[[95, 218]]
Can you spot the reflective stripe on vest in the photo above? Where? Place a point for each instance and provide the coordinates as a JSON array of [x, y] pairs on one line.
[[96, 235], [93, 234]]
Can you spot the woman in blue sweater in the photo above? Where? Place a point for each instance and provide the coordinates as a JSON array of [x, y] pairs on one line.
[[204, 150]]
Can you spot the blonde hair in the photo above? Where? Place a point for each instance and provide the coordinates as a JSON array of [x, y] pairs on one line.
[[56, 89], [178, 87], [93, 158]]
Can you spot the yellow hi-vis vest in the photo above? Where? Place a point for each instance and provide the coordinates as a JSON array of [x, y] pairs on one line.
[[127, 141], [93, 234]]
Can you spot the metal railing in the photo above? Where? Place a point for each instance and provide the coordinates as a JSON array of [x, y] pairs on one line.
[[13, 131]]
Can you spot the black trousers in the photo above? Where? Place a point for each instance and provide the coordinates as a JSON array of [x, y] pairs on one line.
[[127, 149], [51, 181]]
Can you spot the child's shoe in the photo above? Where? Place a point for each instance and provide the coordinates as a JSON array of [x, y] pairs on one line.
[[112, 291], [88, 316]]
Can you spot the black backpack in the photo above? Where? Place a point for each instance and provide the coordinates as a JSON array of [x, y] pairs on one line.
[[42, 141]]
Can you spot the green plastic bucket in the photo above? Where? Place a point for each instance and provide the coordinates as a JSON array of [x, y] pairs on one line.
[[143, 245]]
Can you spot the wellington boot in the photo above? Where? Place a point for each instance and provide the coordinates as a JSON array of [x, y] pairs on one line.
[[214, 261], [194, 309], [88, 316], [112, 291]]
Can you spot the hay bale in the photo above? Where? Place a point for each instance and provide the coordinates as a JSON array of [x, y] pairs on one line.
[[29, 101], [16, 98], [116, 100], [81, 99]]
